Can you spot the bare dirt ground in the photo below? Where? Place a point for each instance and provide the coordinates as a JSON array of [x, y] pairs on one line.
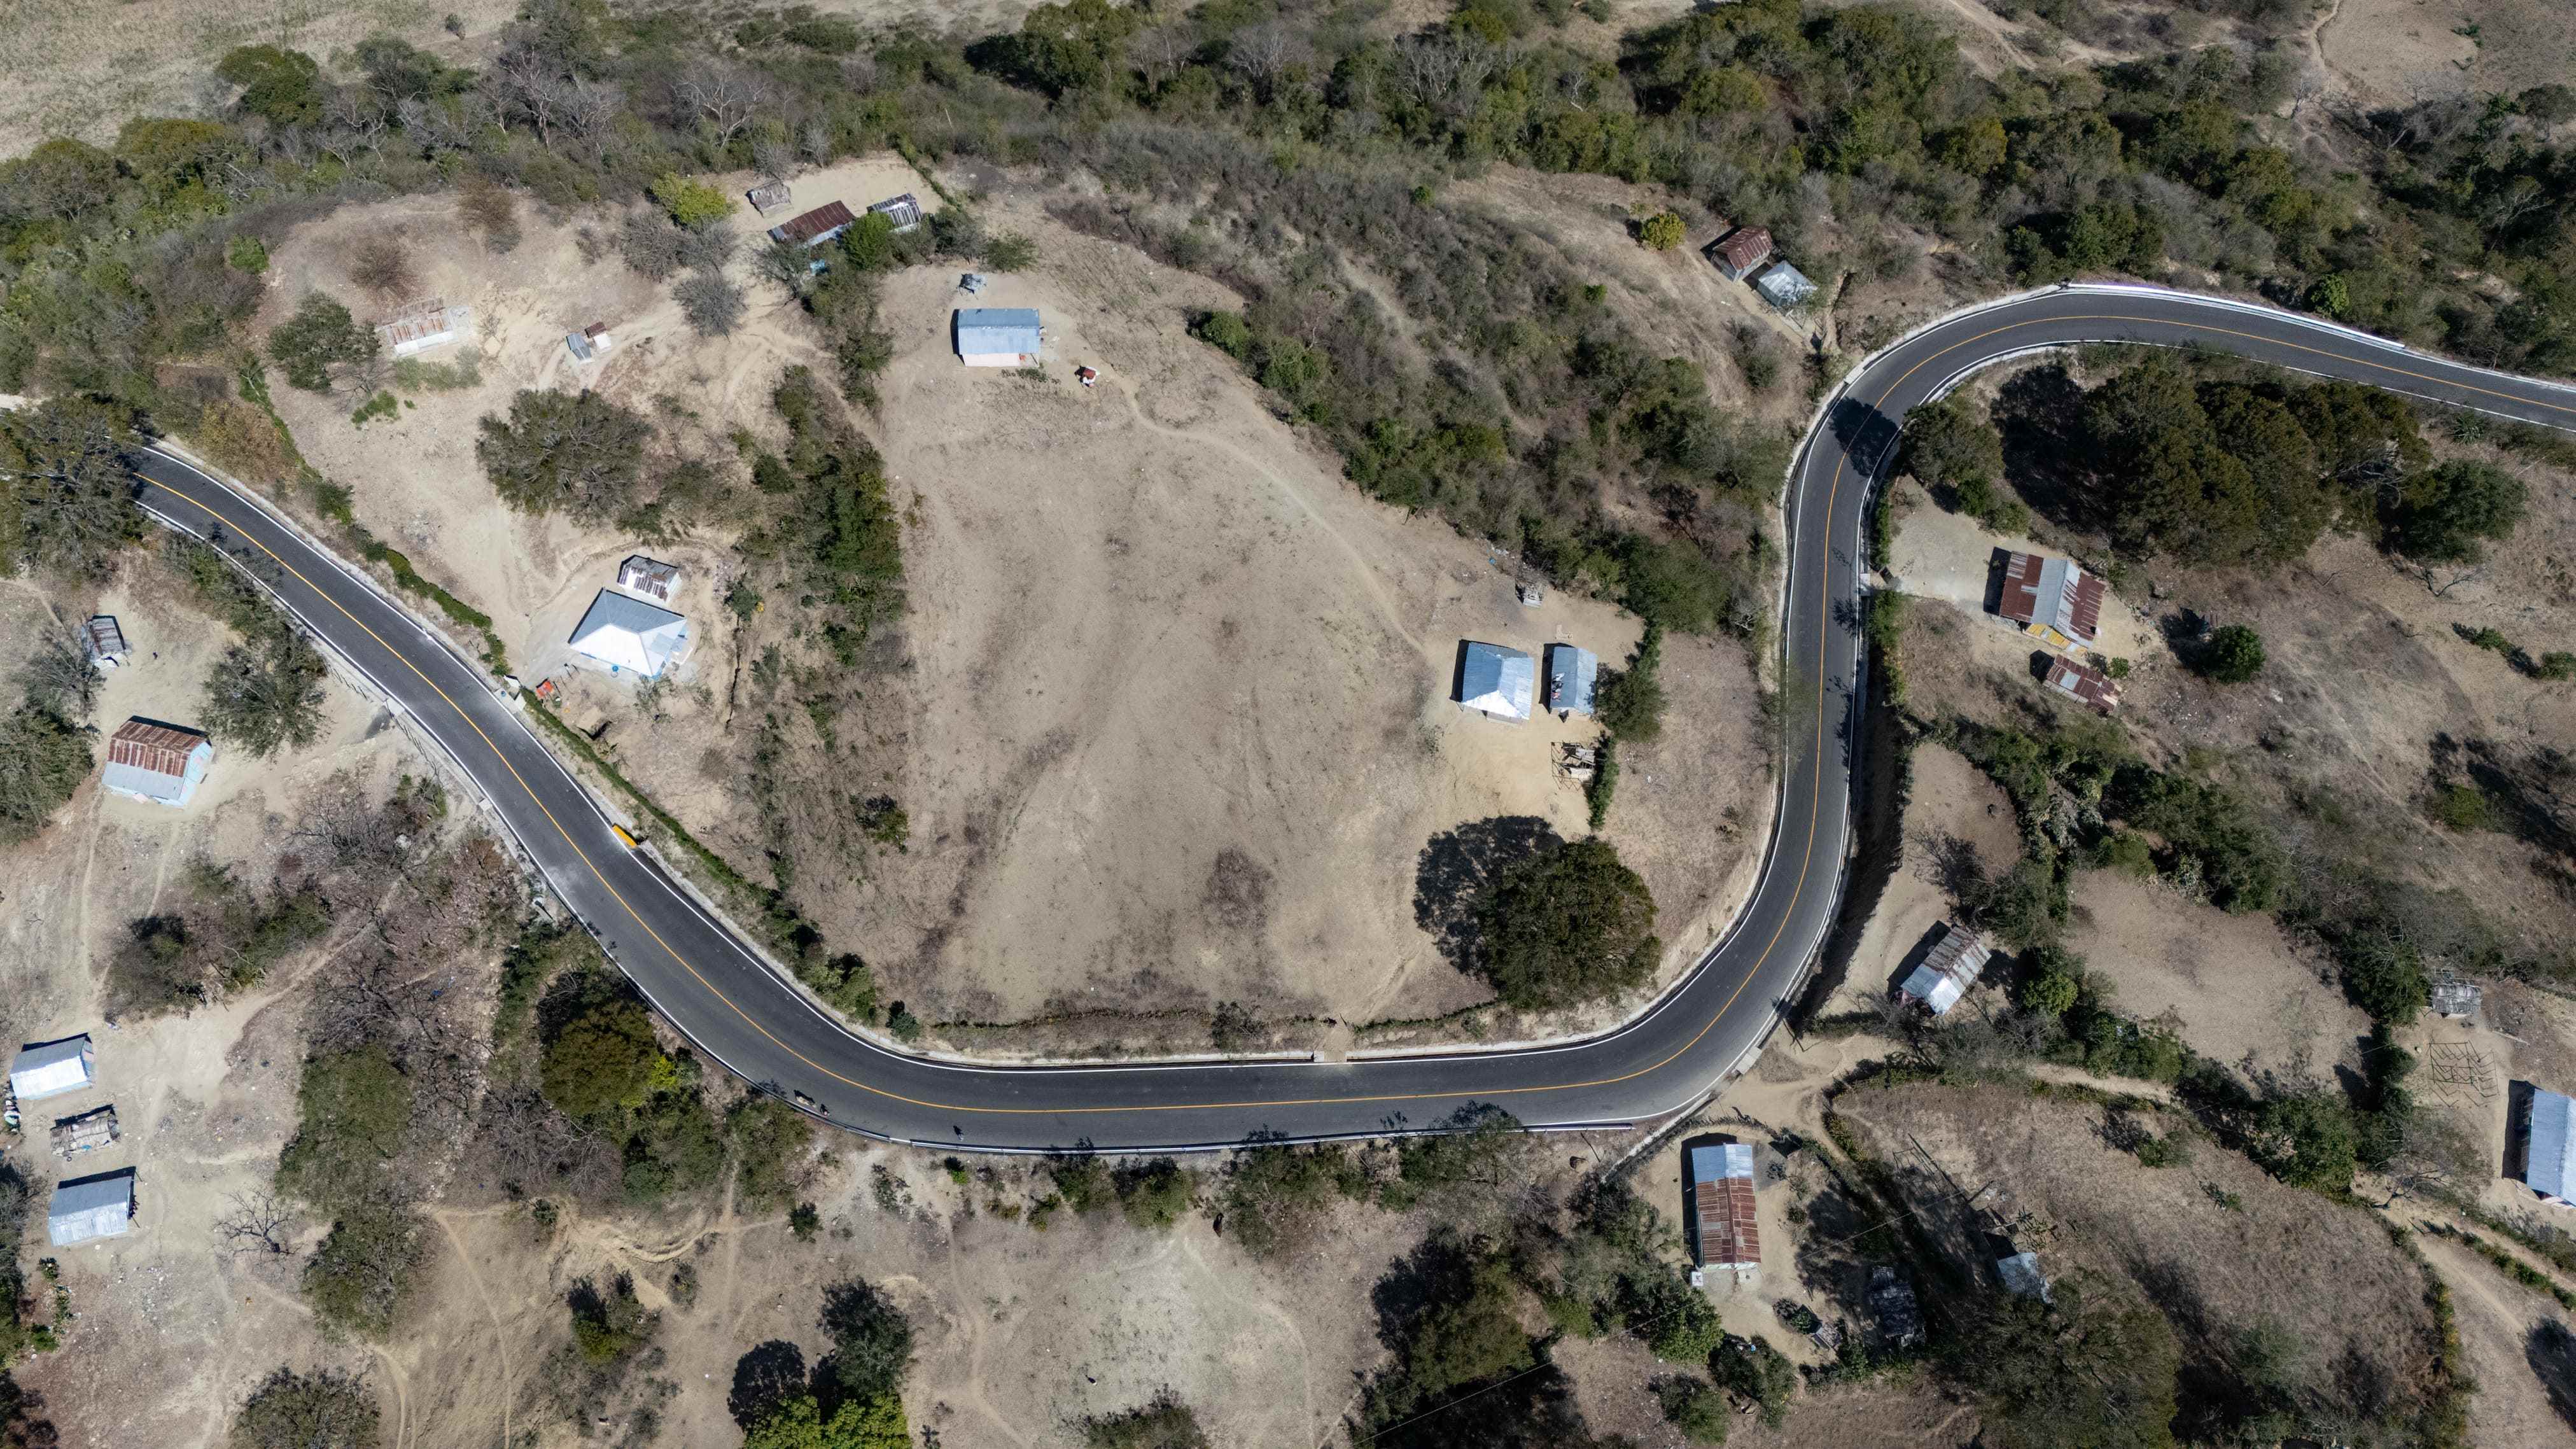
[[2323, 1272], [1191, 692], [2398, 51], [2241, 990], [2525, 1392], [1953, 815]]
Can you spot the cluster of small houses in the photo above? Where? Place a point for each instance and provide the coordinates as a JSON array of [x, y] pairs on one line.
[[2056, 602], [1726, 1245], [1744, 254], [100, 1205], [983, 336]]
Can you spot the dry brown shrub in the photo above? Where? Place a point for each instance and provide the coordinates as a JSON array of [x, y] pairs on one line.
[[486, 206], [381, 263], [239, 438]]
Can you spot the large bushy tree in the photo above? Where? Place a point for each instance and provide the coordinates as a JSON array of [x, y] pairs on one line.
[[1571, 923], [574, 452]]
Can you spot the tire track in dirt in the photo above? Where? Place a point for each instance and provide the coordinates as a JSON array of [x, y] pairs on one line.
[[500, 1340], [1359, 562]]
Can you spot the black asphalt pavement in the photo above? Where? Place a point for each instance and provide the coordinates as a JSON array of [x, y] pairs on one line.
[[742, 1013]]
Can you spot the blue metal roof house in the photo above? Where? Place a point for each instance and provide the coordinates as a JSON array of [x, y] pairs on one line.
[[999, 336], [1494, 681], [91, 1207], [1570, 675], [2548, 1143]]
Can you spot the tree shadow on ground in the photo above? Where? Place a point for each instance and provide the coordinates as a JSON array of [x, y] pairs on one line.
[[1456, 866], [2041, 416], [2551, 1351], [769, 1375]]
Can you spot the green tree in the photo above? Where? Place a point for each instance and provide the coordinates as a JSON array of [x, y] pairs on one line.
[[1571, 923], [770, 1140], [2307, 1140], [692, 203], [284, 87], [577, 452], [267, 695], [361, 1279], [67, 498], [608, 1326], [43, 759], [2449, 512], [2233, 655], [354, 1110], [1754, 1370], [604, 1063], [320, 1410], [871, 1340], [2090, 1371], [1694, 1406], [2051, 981], [1154, 1194], [2383, 974], [1661, 232], [319, 343], [798, 1423], [1630, 700], [1948, 442]]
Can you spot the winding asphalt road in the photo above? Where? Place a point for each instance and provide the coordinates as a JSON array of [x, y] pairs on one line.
[[701, 977]]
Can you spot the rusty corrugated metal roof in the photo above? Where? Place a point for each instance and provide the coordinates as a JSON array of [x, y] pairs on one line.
[[159, 748]]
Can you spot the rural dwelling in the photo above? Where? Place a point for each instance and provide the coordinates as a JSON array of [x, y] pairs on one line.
[[421, 326], [153, 761], [2540, 1144], [769, 196], [2053, 599], [590, 341], [50, 1069], [1494, 681], [629, 634], [2022, 1278], [103, 643], [1955, 962], [1570, 675], [2083, 683], [813, 228], [91, 1207], [1739, 251], [1784, 287], [650, 577], [902, 210], [1723, 1235], [999, 336]]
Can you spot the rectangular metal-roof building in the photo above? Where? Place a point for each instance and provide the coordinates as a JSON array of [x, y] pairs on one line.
[[91, 1207], [49, 1069], [2053, 599], [1955, 963], [2080, 681], [627, 633], [1495, 681], [815, 227], [1725, 1235], [153, 761], [999, 336], [1571, 673], [1739, 251], [904, 211], [2549, 1156], [1784, 286], [103, 641]]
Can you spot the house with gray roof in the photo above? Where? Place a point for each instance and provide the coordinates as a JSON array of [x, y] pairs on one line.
[[2540, 1147], [88, 1208], [999, 336], [1494, 681], [52, 1068], [629, 635], [1784, 286], [1571, 673]]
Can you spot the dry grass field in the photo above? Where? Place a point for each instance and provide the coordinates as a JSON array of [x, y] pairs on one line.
[[1168, 712], [2323, 1273]]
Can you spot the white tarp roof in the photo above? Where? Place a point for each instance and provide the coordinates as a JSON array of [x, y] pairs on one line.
[[1496, 680], [1938, 990], [51, 1069], [94, 1207], [624, 632]]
